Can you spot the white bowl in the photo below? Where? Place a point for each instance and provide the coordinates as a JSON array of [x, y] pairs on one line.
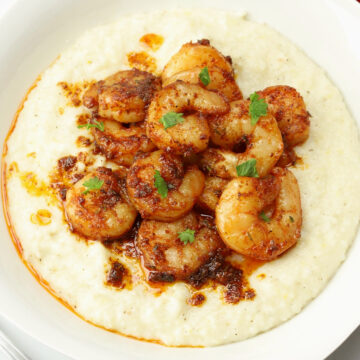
[[33, 33]]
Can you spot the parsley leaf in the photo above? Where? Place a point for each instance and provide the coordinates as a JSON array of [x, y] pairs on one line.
[[258, 107], [248, 168], [171, 119], [291, 219], [97, 124], [187, 236], [263, 216], [93, 184], [160, 184], [204, 76]]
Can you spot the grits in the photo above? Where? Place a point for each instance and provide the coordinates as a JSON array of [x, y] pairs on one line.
[[329, 180]]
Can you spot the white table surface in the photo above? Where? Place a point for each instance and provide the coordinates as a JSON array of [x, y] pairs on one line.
[[349, 350]]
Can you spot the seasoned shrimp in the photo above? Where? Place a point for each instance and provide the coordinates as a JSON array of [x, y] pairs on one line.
[[213, 189], [244, 199], [165, 257], [220, 80], [290, 112], [123, 96], [192, 134], [102, 213], [183, 186], [234, 133], [199, 54], [119, 143]]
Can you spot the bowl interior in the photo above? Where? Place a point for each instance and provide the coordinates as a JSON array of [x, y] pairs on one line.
[[33, 33]]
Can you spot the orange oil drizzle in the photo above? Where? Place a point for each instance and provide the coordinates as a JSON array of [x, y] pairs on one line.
[[153, 41]]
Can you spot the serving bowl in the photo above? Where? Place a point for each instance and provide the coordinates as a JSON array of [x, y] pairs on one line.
[[33, 33]]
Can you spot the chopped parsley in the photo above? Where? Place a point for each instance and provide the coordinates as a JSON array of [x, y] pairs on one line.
[[263, 216], [93, 184], [204, 76], [187, 236], [171, 119], [250, 237], [96, 124], [248, 168], [160, 184], [258, 107], [291, 219]]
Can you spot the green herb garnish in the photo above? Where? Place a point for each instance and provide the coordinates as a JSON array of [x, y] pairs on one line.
[[93, 184], [258, 107], [187, 236], [97, 124], [263, 216], [291, 219], [248, 168], [160, 184], [204, 76], [250, 237], [171, 119]]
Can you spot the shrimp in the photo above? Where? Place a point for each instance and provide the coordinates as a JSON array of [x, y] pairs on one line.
[[192, 134], [239, 223], [184, 186], [242, 141], [103, 213], [165, 257], [123, 96], [199, 54], [119, 143], [213, 189], [290, 112], [220, 80]]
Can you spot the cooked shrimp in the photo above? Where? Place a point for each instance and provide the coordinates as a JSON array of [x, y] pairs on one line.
[[184, 186], [123, 96], [165, 257], [119, 143], [290, 112], [192, 134], [241, 203], [199, 54], [220, 80], [102, 213], [234, 132], [213, 189]]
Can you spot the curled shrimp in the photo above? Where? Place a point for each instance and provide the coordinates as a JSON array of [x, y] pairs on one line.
[[220, 80], [102, 213], [192, 134], [213, 189], [165, 257], [119, 143], [244, 200], [192, 55], [123, 96], [290, 112], [240, 141], [184, 186]]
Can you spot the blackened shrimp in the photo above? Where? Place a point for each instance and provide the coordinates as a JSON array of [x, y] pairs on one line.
[[123, 96], [190, 134], [220, 80], [120, 143], [165, 258], [241, 141], [97, 206], [192, 55], [260, 218], [180, 186], [290, 112]]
